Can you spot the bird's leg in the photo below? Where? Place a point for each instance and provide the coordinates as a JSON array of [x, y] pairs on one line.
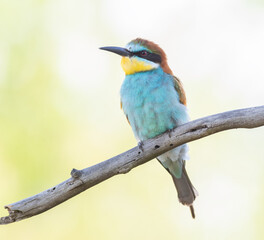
[[169, 132], [140, 145]]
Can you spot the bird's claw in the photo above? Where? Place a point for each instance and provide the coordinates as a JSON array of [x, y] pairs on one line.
[[140, 146], [169, 132]]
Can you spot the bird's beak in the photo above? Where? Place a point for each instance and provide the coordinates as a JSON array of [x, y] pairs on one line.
[[118, 50]]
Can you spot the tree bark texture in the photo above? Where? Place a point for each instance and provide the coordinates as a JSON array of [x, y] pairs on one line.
[[81, 180]]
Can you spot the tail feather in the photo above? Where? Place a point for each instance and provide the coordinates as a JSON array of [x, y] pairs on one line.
[[186, 192]]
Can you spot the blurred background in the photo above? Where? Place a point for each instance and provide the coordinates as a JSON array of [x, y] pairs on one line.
[[60, 108]]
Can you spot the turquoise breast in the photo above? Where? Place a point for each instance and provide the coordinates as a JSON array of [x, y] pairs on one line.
[[151, 103]]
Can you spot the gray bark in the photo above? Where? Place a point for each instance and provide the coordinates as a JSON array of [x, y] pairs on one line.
[[81, 180]]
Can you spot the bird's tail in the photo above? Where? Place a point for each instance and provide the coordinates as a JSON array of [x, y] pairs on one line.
[[186, 191]]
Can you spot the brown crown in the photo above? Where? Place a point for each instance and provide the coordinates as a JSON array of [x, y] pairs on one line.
[[155, 48]]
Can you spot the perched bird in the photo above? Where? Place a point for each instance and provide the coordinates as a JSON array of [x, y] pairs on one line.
[[154, 102]]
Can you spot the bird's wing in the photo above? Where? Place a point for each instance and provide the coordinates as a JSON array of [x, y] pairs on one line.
[[126, 114], [179, 88]]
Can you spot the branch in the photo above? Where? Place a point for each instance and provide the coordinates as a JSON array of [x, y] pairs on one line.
[[81, 180]]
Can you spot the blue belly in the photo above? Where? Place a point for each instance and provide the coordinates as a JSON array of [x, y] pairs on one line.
[[151, 103]]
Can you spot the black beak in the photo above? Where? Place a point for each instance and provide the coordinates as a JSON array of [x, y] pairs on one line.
[[118, 50]]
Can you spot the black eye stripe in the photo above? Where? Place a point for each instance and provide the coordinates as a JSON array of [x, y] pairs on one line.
[[153, 57]]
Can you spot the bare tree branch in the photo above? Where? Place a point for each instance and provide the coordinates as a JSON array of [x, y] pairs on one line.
[[123, 163]]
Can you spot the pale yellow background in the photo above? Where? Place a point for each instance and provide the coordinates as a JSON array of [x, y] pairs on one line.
[[59, 109]]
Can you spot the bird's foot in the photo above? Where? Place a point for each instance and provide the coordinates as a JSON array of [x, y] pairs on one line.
[[169, 132], [140, 146]]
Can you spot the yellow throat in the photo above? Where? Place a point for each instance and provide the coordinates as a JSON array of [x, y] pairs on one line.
[[134, 65]]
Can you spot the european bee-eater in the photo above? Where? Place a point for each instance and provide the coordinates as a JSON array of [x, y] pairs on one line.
[[154, 102]]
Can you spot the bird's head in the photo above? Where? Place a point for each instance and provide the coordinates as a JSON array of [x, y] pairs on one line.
[[141, 55]]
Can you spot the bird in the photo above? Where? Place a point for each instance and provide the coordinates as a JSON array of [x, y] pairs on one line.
[[154, 102]]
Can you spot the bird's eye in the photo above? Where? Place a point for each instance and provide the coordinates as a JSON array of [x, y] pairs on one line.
[[143, 53]]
